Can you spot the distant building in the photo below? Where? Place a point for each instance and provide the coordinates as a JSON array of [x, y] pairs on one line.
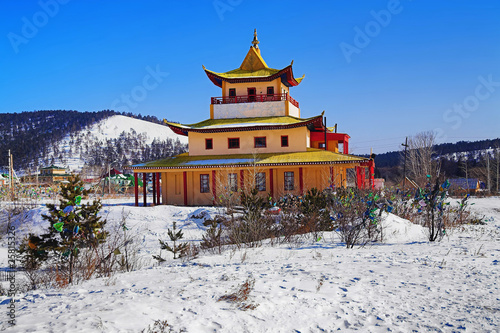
[[464, 185], [53, 174]]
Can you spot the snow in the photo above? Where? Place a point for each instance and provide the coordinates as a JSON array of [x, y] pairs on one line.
[[404, 284], [111, 128]]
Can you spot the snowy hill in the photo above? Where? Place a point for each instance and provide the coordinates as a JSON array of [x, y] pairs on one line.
[[117, 139], [114, 126]]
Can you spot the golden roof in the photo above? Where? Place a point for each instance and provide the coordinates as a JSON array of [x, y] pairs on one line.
[[244, 124], [311, 156], [254, 67]]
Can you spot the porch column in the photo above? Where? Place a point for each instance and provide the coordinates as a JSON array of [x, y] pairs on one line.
[[301, 181], [154, 188], [358, 176], [371, 176], [158, 188], [214, 190], [144, 188], [271, 182], [242, 180], [136, 189], [184, 179], [332, 180]]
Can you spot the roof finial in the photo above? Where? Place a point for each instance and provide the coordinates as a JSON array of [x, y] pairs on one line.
[[255, 42]]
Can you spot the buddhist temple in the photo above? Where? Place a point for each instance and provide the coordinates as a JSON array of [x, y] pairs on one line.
[[254, 138]]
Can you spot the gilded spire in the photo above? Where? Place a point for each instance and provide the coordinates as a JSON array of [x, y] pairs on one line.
[[255, 42]]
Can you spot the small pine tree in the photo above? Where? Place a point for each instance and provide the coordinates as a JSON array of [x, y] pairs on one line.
[[174, 236], [73, 226]]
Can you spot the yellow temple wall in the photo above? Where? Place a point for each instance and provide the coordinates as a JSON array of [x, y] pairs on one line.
[[297, 141], [314, 176]]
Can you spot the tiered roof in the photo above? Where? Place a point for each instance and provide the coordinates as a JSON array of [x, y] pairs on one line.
[[254, 69], [310, 157], [246, 124]]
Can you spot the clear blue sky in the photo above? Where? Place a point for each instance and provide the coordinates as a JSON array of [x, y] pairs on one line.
[[382, 70]]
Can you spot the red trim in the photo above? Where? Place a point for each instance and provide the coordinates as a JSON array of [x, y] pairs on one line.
[[154, 188], [214, 191], [158, 188], [184, 178], [301, 181], [371, 176], [136, 189], [254, 98], [271, 182], [144, 188]]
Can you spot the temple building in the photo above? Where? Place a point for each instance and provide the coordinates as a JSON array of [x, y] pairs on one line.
[[255, 138]]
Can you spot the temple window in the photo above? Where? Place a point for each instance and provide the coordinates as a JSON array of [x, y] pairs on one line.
[[209, 144], [284, 141], [204, 183], [233, 143], [232, 181], [260, 142], [289, 181], [260, 181]]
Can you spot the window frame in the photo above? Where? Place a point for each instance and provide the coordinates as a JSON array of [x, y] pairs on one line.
[[204, 183], [229, 143], [289, 186], [252, 97], [207, 140], [287, 142], [255, 138], [270, 93], [232, 90], [260, 181]]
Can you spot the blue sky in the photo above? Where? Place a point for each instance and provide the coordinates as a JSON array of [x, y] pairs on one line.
[[382, 70]]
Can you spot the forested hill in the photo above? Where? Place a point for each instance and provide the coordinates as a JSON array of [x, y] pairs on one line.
[[27, 134], [392, 159]]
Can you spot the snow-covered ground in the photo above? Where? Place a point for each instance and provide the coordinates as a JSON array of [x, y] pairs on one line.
[[405, 284]]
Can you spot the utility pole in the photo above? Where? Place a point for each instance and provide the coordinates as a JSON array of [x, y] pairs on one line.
[[498, 166], [488, 170], [11, 173], [404, 166]]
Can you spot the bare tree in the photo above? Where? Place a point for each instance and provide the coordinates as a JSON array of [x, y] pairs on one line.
[[419, 162]]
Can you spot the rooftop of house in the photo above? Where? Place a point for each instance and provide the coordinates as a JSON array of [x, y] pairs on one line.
[[239, 124], [311, 156]]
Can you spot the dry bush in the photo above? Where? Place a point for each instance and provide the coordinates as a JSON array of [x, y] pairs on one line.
[[355, 215], [240, 298]]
